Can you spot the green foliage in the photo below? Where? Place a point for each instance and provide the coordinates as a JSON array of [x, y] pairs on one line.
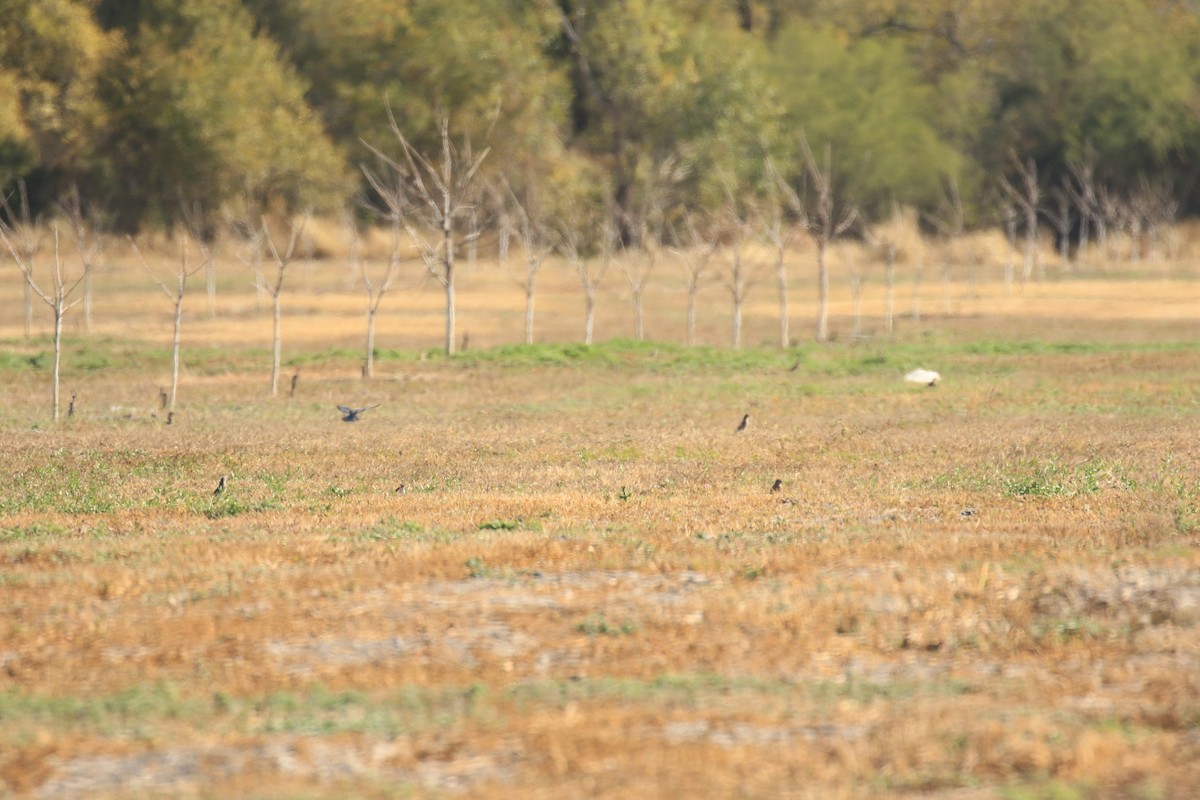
[[213, 108], [629, 110], [866, 103]]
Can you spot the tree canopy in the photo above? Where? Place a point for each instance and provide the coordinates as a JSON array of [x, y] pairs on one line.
[[635, 105]]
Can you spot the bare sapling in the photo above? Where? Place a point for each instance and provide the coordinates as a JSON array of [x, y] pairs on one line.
[[636, 262], [375, 285], [293, 229], [822, 217], [1158, 206], [739, 275], [56, 296], [779, 234], [1110, 220], [1026, 193], [1062, 218], [428, 199], [571, 242], [525, 221], [694, 250], [87, 231], [1082, 189], [175, 292], [23, 237], [1008, 213]]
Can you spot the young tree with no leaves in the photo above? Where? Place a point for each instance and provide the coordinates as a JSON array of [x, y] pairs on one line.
[[780, 234], [1026, 193], [739, 275], [822, 217], [175, 294], [525, 221], [571, 241], [57, 296], [375, 289], [256, 239], [87, 231], [695, 250], [637, 264], [429, 198]]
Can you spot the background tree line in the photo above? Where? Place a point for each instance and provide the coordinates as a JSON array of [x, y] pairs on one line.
[[644, 109]]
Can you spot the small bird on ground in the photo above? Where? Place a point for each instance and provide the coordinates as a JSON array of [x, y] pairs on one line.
[[351, 414], [402, 489], [777, 485], [745, 423], [220, 487]]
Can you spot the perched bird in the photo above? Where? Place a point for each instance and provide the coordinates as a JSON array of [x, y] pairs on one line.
[[162, 398], [777, 485], [295, 380], [220, 487], [745, 423], [71, 407], [926, 377], [352, 413]]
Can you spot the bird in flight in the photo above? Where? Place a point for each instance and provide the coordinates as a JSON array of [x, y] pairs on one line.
[[352, 413], [745, 423], [220, 487]]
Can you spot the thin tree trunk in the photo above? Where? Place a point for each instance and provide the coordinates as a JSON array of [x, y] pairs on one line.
[[87, 302], [531, 271], [639, 328], [59, 310], [28, 309], [1010, 227], [448, 262], [589, 315], [369, 364], [210, 278], [891, 286], [737, 321], [781, 275], [175, 345], [529, 292], [822, 294], [276, 348], [691, 315], [1030, 243]]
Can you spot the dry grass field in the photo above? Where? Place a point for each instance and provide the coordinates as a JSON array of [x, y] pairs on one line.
[[989, 589]]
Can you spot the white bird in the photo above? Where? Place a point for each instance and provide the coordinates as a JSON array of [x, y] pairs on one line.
[[925, 377]]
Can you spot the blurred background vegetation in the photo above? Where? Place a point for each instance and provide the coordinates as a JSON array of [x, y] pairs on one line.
[[620, 104]]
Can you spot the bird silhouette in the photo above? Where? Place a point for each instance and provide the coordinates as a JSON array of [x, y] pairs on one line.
[[220, 487], [351, 414], [777, 485], [295, 380], [745, 423]]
